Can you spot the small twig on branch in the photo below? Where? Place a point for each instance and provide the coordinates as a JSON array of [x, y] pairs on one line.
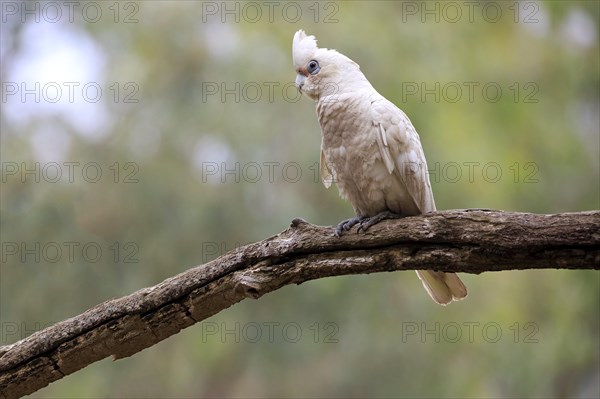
[[470, 241]]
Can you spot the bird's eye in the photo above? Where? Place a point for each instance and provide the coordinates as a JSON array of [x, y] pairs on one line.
[[313, 67]]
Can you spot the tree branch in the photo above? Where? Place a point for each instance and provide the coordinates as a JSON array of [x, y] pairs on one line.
[[470, 241]]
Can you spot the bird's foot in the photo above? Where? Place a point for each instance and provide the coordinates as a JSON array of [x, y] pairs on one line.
[[367, 223], [364, 222], [347, 224]]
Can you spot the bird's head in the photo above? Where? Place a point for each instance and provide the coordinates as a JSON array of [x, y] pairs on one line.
[[320, 71]]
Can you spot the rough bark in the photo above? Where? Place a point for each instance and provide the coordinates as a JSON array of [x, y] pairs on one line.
[[470, 241]]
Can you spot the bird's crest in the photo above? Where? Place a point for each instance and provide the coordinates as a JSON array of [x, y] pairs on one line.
[[303, 48]]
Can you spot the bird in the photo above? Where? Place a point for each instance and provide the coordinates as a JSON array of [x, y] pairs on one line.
[[369, 148]]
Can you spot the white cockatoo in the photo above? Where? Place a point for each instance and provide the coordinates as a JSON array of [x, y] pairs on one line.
[[369, 148]]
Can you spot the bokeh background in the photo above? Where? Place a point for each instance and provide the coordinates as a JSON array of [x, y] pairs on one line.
[[142, 138]]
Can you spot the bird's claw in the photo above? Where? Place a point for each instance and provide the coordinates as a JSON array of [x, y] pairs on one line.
[[367, 223], [347, 224], [364, 222]]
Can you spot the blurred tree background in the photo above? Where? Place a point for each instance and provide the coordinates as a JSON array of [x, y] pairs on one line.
[[142, 138]]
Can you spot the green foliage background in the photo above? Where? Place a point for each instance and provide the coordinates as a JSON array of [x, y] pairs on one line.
[[177, 216]]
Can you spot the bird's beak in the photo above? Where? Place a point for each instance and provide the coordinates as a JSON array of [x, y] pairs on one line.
[[300, 81]]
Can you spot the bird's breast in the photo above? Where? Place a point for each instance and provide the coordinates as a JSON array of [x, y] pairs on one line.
[[351, 150]]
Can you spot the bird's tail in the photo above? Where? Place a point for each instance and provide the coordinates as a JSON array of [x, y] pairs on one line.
[[442, 287]]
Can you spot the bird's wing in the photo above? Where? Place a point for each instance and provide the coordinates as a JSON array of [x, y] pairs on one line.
[[401, 151], [327, 175]]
